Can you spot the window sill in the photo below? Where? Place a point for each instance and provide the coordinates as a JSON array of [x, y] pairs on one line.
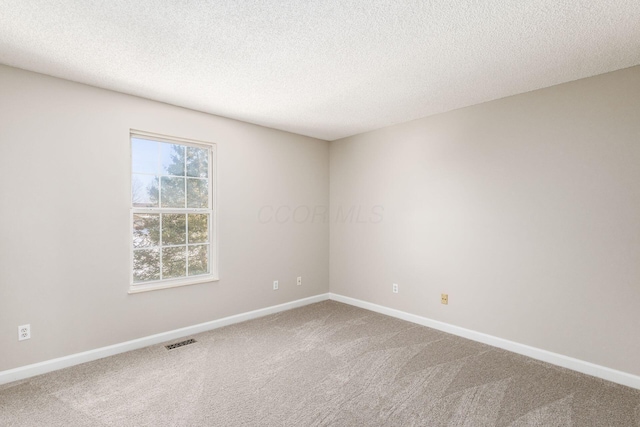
[[154, 286]]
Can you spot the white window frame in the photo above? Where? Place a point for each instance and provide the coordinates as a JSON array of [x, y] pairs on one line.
[[212, 276]]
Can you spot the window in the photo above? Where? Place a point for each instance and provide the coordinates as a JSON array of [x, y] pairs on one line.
[[172, 212]]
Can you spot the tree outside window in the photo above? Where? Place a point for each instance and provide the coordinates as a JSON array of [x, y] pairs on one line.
[[171, 206]]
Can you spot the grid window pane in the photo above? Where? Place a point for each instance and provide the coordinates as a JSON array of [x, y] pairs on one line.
[[197, 162], [172, 191], [144, 191], [171, 210], [174, 229], [172, 159], [198, 228], [174, 262], [146, 265], [146, 230], [197, 193], [198, 260], [144, 156]]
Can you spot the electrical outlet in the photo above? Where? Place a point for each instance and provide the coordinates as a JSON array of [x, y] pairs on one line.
[[24, 332], [299, 282], [395, 288], [275, 285], [444, 299]]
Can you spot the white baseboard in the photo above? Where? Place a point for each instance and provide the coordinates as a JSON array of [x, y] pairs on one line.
[[578, 365], [98, 353]]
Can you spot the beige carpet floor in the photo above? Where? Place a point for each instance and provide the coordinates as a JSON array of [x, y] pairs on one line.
[[327, 364]]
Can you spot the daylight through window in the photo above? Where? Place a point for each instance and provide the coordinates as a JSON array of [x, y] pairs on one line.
[[172, 212]]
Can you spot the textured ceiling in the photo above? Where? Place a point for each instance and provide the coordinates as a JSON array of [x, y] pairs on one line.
[[324, 68]]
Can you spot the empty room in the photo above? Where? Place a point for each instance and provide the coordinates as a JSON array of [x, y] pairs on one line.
[[328, 213]]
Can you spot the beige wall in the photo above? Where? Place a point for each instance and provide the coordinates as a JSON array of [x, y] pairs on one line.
[[64, 218], [525, 210]]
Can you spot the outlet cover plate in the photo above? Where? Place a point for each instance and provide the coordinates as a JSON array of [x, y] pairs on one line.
[[24, 332]]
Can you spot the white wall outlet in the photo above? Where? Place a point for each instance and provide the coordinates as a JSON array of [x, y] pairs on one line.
[[299, 282], [24, 332], [395, 288], [275, 285]]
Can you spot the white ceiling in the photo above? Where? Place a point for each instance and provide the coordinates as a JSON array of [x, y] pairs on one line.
[[323, 68]]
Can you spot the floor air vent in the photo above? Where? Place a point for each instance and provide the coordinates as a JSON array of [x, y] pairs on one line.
[[179, 344]]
